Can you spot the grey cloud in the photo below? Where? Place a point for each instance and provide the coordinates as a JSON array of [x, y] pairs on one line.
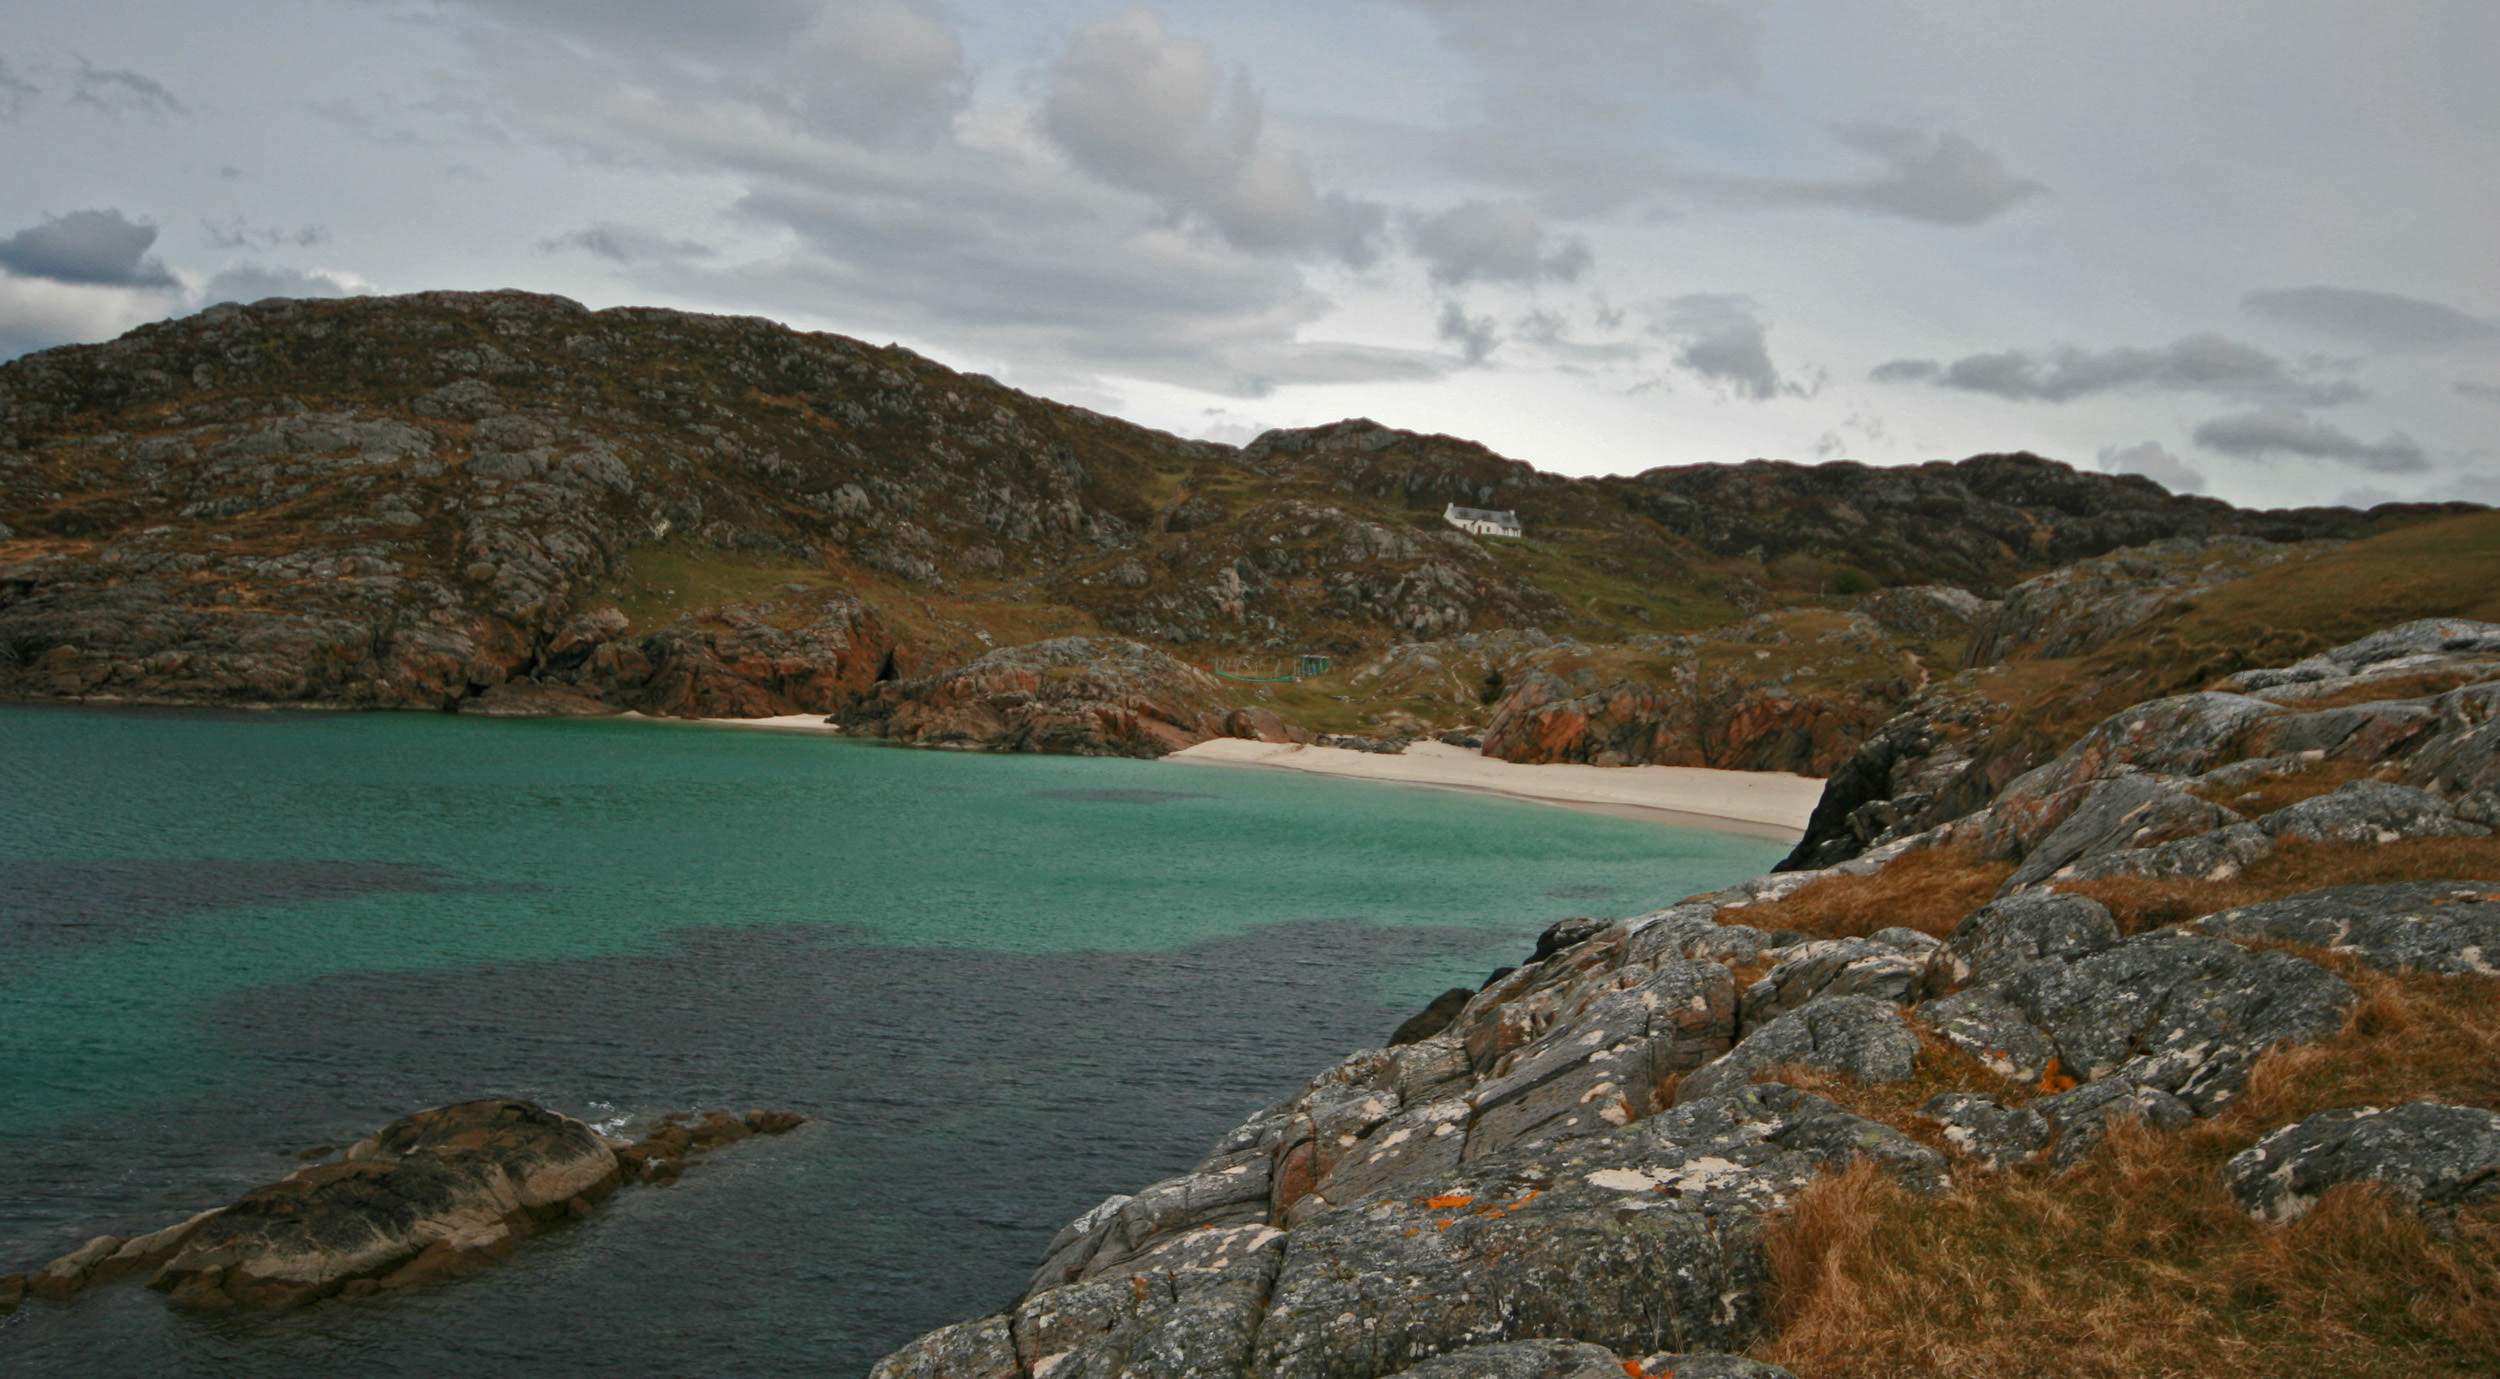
[[95, 247], [1141, 109], [117, 91], [1542, 57], [1489, 241], [2381, 320], [1724, 338], [2199, 363], [627, 244], [2480, 392], [2154, 462], [251, 282], [875, 71], [1476, 336], [15, 90], [1935, 175], [2281, 431], [239, 233]]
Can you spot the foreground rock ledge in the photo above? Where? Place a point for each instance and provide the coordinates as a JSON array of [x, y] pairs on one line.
[[440, 1192]]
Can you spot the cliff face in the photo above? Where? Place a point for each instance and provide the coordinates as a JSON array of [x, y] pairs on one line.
[[506, 503]]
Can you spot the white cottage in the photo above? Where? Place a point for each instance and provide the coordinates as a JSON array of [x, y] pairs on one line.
[[1482, 521]]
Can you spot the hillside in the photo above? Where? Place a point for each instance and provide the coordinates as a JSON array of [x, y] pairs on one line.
[[505, 503]]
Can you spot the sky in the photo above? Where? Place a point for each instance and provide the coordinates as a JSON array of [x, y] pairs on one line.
[[2244, 247]]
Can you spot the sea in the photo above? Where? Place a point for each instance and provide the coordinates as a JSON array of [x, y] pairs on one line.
[[1000, 987]]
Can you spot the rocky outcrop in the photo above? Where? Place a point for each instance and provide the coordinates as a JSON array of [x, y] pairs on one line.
[[2451, 928], [2431, 1158], [1088, 696], [2091, 603], [440, 1192]]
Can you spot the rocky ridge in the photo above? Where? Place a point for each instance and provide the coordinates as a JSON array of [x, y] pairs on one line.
[[503, 503]]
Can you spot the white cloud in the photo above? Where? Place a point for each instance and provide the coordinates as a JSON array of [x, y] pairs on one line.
[[38, 313], [1724, 337], [251, 282], [2199, 363], [2381, 320], [2153, 462], [1490, 241], [98, 248]]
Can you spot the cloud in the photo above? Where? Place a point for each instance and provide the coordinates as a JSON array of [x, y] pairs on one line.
[[2480, 392], [627, 244], [100, 248], [1724, 337], [1541, 58], [869, 71], [15, 91], [2199, 363], [38, 313], [2155, 463], [1475, 336], [239, 233], [1143, 110], [1493, 241], [117, 91], [2381, 320], [2281, 431], [252, 282], [1935, 175]]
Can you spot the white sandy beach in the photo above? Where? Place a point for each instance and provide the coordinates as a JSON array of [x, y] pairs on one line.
[[1770, 804]]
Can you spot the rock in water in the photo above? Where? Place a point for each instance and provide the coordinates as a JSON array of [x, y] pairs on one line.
[[434, 1191]]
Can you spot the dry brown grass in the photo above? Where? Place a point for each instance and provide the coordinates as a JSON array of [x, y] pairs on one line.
[[2142, 905], [1928, 891], [2139, 1263], [2278, 792]]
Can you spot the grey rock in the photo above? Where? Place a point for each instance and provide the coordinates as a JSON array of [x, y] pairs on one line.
[[2216, 856], [1229, 1193], [2434, 1158], [2181, 1012], [1997, 1135], [1998, 1034], [1580, 1360], [2451, 928], [1601, 1068], [1862, 1036], [2130, 811], [1642, 1239], [2369, 811], [1996, 939], [2081, 1117], [1187, 1308], [982, 1349], [1837, 967]]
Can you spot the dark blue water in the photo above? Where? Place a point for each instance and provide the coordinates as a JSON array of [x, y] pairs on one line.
[[1003, 987]]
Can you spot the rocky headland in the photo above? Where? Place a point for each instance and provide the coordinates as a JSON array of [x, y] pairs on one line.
[[2213, 958]]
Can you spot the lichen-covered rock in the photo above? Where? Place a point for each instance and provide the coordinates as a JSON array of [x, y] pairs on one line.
[[1602, 1067], [2433, 1158], [1835, 967], [2451, 928], [2369, 811], [1862, 1036], [426, 1193], [980, 1349], [2081, 1116], [1994, 940], [1089, 696], [1641, 1239], [1580, 1360], [2179, 1012], [2130, 811], [1997, 1135], [1188, 1307]]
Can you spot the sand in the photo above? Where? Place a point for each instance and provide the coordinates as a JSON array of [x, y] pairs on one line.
[[1766, 804]]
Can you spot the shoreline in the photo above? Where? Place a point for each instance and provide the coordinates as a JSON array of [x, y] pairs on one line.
[[1759, 804]]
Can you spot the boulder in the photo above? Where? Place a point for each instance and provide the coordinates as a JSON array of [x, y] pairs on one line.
[[1996, 939], [1434, 1017], [2433, 1158], [1997, 1135], [1862, 1036], [1835, 967], [1087, 696], [2081, 1116], [2451, 928]]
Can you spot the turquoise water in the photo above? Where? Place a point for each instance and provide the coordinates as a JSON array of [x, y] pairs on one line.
[[224, 937]]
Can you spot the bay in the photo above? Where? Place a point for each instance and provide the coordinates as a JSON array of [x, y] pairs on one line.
[[1002, 987]]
